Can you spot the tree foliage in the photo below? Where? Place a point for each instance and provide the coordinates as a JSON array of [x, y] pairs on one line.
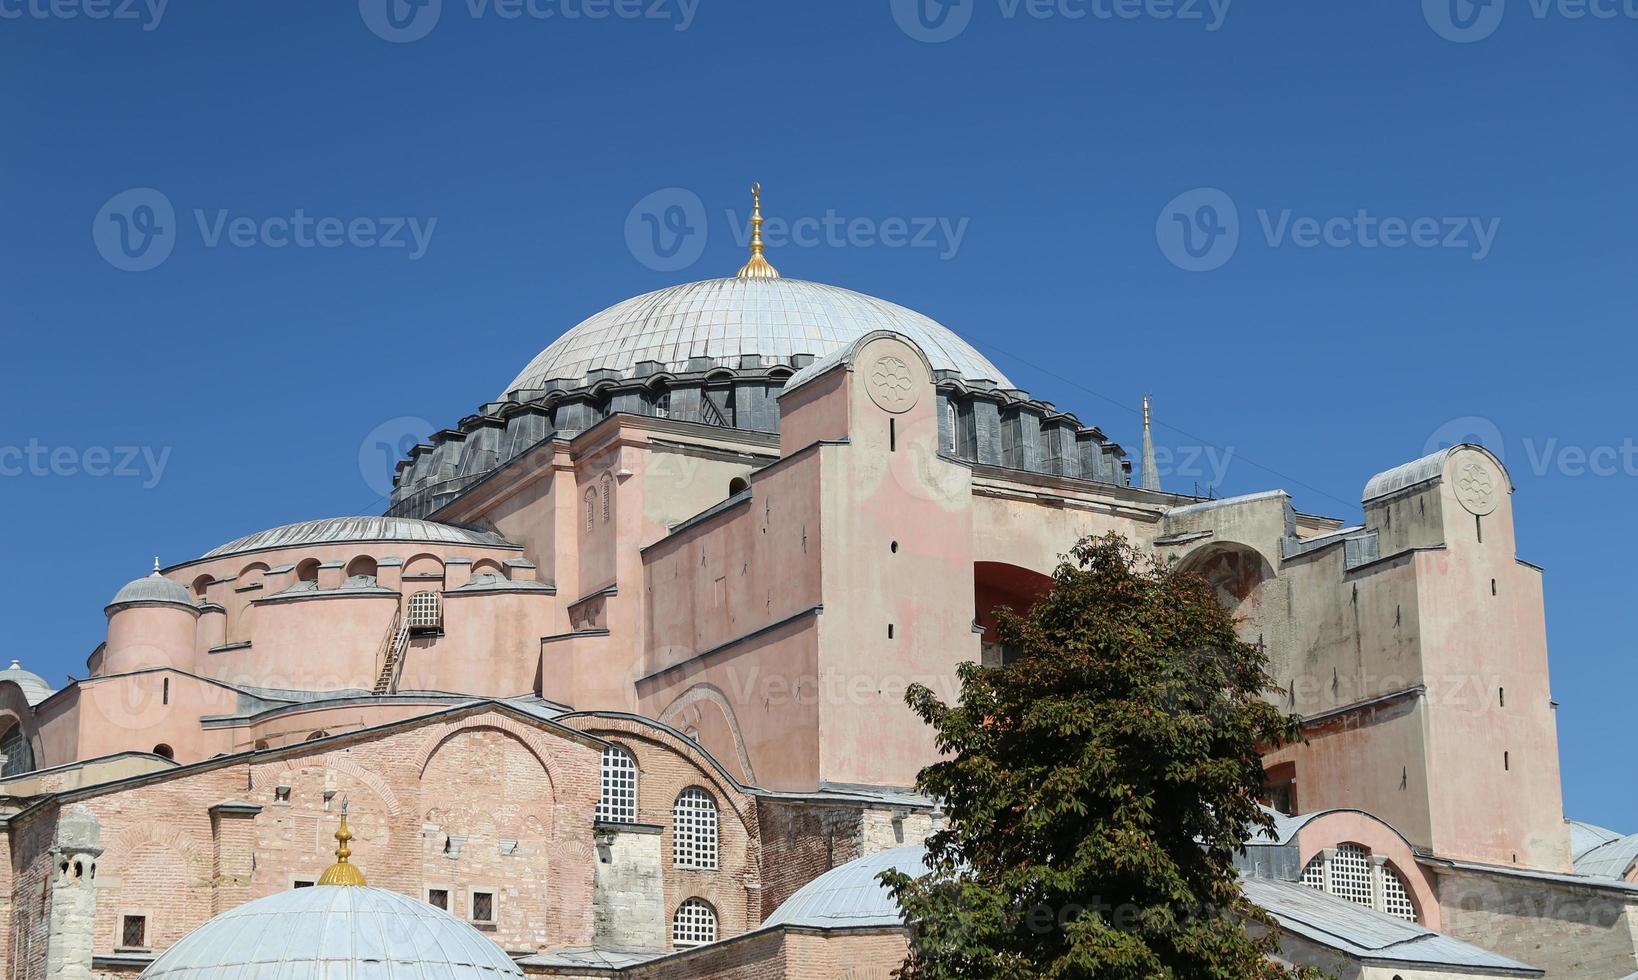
[[1098, 786]]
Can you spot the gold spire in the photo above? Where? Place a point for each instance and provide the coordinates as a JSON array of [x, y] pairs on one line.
[[758, 267], [342, 873]]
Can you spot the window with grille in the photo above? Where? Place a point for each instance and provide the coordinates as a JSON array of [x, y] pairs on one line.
[[1395, 900], [1351, 874], [694, 830], [608, 494], [483, 906], [133, 932], [618, 801], [426, 611], [438, 898], [19, 755], [662, 405], [694, 924]]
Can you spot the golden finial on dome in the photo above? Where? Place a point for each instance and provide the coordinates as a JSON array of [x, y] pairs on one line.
[[758, 267], [342, 873]]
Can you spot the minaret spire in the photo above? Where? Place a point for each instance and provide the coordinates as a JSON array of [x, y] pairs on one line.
[[758, 267], [156, 564], [1149, 475]]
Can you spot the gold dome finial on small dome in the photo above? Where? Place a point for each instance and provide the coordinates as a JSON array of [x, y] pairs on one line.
[[758, 267], [342, 873]]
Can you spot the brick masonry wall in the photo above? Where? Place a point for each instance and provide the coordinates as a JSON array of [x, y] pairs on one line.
[[667, 765], [776, 954], [520, 796]]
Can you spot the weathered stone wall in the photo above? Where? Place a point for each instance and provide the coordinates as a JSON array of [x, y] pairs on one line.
[[630, 889], [1566, 929]]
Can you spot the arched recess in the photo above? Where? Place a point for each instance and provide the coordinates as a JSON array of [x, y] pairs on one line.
[[200, 585], [14, 745], [361, 572], [482, 786], [1331, 828], [703, 713], [997, 585], [1239, 576], [308, 570]]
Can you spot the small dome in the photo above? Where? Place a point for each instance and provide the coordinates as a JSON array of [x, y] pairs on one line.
[[728, 319], [850, 895], [345, 529], [338, 932], [35, 689], [156, 588]]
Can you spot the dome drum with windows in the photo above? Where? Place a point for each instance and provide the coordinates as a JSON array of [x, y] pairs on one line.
[[718, 352]]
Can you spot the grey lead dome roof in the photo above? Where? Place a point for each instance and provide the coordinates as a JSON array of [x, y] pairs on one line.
[[334, 932], [154, 588], [850, 895], [338, 529], [726, 319], [35, 688]]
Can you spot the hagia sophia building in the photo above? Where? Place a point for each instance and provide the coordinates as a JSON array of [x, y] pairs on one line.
[[614, 688]]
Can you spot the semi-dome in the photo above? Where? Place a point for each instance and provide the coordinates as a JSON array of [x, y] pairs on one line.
[[154, 589], [343, 529], [725, 320], [35, 688], [339, 932], [850, 895]]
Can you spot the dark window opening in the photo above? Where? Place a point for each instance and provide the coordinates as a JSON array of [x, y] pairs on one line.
[[1501, 696], [483, 907], [133, 932], [1507, 762], [165, 751], [894, 547], [1492, 586], [892, 435], [303, 883], [165, 692], [1478, 526], [889, 631], [438, 898]]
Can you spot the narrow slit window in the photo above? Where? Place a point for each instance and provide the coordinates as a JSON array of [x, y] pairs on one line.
[[892, 435]]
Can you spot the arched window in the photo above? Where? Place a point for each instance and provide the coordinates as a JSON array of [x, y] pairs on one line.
[[694, 830], [662, 403], [618, 800], [1349, 872], [19, 755], [694, 924], [950, 422], [608, 495], [591, 508], [165, 751], [315, 736], [738, 485]]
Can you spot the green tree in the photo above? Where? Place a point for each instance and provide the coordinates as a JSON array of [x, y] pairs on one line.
[[1098, 786]]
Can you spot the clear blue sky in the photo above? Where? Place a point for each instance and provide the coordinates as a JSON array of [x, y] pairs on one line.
[[260, 375]]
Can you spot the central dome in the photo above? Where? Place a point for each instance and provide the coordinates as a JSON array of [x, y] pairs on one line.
[[728, 319]]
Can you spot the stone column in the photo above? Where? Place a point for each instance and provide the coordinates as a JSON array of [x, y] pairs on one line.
[[71, 922]]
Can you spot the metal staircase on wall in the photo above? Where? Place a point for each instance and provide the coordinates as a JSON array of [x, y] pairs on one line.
[[392, 655]]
